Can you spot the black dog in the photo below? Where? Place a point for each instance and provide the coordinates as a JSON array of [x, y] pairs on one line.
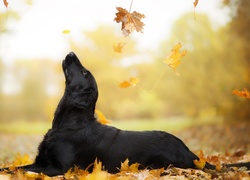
[[77, 139]]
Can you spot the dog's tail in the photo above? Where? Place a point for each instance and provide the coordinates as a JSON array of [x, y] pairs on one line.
[[227, 166]]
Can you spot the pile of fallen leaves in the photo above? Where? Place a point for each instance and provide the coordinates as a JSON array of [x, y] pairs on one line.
[[130, 172], [217, 144]]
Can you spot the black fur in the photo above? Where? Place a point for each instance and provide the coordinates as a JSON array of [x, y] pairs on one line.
[[77, 139]]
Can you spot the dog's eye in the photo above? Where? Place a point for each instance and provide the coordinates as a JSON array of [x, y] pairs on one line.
[[84, 72]]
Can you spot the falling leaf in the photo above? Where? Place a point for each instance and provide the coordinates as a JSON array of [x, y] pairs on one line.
[[126, 167], [132, 82], [244, 93], [195, 3], [101, 118], [6, 3], [130, 21], [118, 47], [66, 31], [173, 59]]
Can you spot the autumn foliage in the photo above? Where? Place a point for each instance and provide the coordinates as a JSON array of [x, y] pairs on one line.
[[130, 21], [244, 93]]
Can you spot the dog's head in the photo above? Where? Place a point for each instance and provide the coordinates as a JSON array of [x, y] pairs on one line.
[[81, 89]]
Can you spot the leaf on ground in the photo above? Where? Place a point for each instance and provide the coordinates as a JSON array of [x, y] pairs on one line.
[[101, 118], [132, 82], [97, 173], [201, 162], [6, 3], [130, 21], [195, 3], [118, 47], [244, 93], [173, 59], [22, 160], [130, 168]]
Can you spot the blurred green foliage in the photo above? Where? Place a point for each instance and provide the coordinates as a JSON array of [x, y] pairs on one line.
[[217, 63]]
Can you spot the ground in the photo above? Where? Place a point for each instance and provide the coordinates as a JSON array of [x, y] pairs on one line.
[[217, 143]]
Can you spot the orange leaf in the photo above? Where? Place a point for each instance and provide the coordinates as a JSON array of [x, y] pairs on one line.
[[130, 21], [173, 59], [195, 3], [101, 118], [5, 3], [244, 93], [132, 82], [118, 47]]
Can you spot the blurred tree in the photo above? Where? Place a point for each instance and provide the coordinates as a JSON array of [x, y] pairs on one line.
[[239, 31], [209, 72], [39, 91]]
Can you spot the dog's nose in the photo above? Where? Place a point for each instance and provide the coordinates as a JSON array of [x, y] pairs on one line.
[[71, 54]]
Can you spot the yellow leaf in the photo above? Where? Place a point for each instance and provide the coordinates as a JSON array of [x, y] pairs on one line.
[[244, 93], [201, 162], [132, 82], [22, 160], [173, 59], [101, 118], [130, 21], [126, 167], [97, 173], [118, 47], [66, 31]]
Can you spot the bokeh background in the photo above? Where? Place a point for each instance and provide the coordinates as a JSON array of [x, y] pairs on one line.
[[215, 33]]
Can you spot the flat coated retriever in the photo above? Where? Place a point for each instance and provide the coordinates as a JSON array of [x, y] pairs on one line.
[[77, 139]]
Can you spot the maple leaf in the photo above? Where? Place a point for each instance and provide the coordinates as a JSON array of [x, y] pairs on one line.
[[22, 160], [130, 21], [244, 93], [195, 3], [201, 162], [126, 167], [173, 59], [132, 82], [101, 118], [118, 47], [66, 31], [97, 173], [6, 3]]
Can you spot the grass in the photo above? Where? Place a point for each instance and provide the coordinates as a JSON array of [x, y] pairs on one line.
[[171, 124]]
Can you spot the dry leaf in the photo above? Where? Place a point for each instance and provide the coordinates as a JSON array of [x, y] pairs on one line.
[[195, 3], [6, 3], [66, 31], [126, 167], [132, 82], [173, 59], [244, 93], [22, 160], [201, 162], [101, 118], [130, 21], [118, 47], [97, 173]]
